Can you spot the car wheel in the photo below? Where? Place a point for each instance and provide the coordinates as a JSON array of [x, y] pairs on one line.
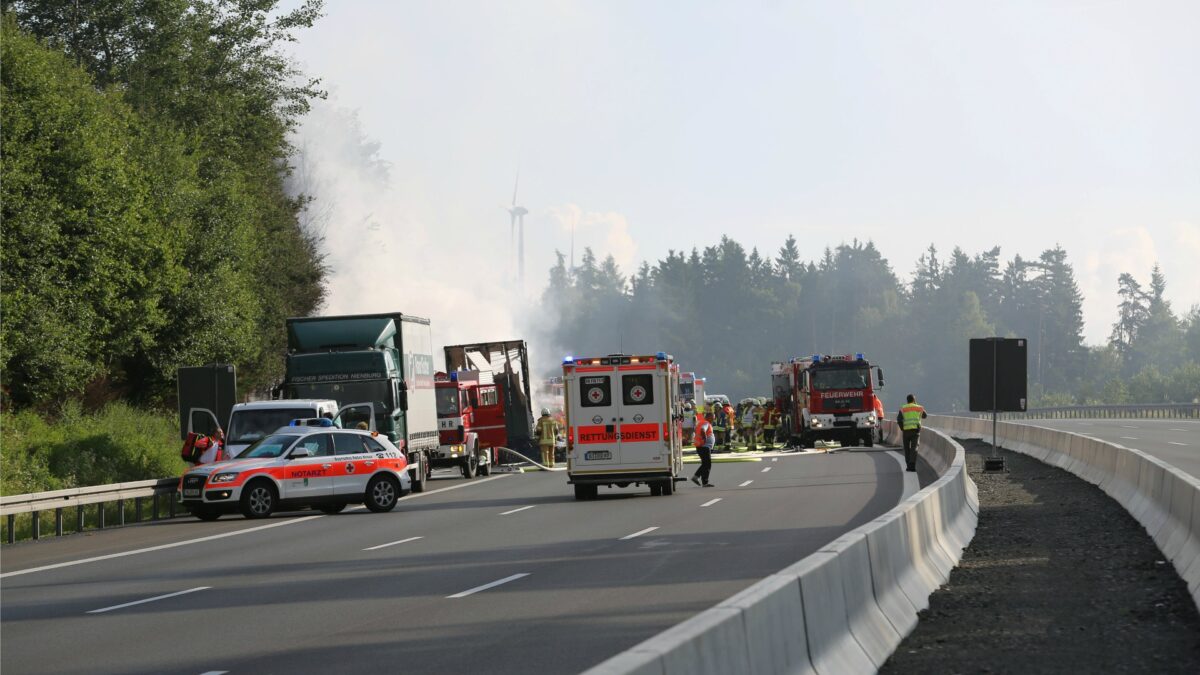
[[382, 493], [204, 512], [331, 508], [259, 499]]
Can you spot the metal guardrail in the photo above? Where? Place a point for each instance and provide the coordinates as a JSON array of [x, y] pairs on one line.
[[1149, 411], [59, 501]]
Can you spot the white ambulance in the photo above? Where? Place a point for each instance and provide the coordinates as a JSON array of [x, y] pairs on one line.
[[624, 418]]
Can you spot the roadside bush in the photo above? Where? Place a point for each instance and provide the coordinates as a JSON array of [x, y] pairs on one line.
[[117, 444]]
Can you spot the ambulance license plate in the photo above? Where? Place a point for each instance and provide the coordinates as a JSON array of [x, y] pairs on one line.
[[193, 492], [597, 454]]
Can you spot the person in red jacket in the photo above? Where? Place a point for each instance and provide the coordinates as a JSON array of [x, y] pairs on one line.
[[705, 440]]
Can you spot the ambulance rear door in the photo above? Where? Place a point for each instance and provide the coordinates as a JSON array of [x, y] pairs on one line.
[[594, 418], [644, 415]]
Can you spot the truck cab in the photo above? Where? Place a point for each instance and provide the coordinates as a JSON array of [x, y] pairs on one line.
[[836, 399], [624, 415], [470, 422]]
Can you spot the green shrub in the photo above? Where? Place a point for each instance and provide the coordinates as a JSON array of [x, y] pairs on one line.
[[116, 444]]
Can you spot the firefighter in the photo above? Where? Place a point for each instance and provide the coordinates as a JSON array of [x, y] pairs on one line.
[[879, 414], [547, 433], [730, 418], [748, 428], [909, 419], [718, 424], [760, 413], [770, 421], [705, 440]]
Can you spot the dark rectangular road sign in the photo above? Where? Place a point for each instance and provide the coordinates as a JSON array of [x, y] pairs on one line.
[[998, 368]]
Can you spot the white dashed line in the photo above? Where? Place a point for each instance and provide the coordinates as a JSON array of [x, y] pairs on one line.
[[1177, 443], [391, 543], [523, 508], [766, 469], [1128, 426], [215, 672], [142, 602], [638, 533], [746, 483], [1177, 429], [774, 459], [1128, 438], [484, 587], [710, 502]]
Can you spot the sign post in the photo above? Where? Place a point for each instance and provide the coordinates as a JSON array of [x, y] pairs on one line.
[[998, 371]]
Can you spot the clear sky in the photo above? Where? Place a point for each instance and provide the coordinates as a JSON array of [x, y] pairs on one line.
[[663, 125]]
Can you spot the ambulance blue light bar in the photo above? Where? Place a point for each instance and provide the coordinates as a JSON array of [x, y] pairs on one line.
[[454, 376], [859, 356], [816, 358], [661, 356], [568, 359]]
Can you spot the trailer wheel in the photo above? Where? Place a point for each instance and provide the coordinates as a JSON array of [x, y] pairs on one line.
[[419, 476]]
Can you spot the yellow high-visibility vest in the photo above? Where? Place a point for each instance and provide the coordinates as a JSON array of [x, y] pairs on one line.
[[911, 414]]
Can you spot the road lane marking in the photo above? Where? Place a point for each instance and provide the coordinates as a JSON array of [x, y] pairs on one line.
[[638, 533], [1177, 430], [766, 469], [523, 508], [710, 502], [1128, 426], [186, 542], [484, 587], [155, 598], [1128, 438], [161, 547], [774, 459], [746, 483], [1177, 443], [215, 672], [391, 543]]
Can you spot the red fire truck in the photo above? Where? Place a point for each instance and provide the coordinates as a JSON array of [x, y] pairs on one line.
[[482, 405], [828, 398], [623, 423]]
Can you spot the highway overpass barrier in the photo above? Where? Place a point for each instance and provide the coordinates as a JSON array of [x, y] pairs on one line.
[[1164, 499], [843, 609]]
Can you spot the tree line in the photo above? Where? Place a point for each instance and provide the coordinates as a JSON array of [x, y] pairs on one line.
[[727, 314], [146, 224]]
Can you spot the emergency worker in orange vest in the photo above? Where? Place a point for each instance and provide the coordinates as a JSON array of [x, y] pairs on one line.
[[909, 419], [770, 422], [705, 440], [731, 419]]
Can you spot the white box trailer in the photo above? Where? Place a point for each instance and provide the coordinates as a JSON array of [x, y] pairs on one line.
[[624, 416]]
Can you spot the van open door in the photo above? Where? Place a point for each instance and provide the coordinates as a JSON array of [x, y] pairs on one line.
[[354, 419]]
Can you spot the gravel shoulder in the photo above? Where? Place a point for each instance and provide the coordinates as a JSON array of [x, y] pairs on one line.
[[1058, 579]]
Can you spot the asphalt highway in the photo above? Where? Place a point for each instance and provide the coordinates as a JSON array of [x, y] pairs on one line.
[[1176, 442], [501, 574]]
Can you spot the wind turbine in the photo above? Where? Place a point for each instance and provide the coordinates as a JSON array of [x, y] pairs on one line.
[[517, 226]]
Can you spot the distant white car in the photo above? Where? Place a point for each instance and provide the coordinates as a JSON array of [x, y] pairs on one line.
[[319, 466]]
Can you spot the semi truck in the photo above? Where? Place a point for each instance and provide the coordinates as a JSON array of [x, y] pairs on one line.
[[830, 398], [379, 368], [483, 405], [624, 416]]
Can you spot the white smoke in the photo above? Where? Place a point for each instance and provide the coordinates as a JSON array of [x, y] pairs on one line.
[[606, 232], [384, 244]]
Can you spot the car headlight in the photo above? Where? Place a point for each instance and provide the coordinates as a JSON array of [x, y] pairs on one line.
[[224, 477]]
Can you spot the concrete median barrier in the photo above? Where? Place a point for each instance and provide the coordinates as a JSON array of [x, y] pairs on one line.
[[773, 620], [843, 609], [1184, 492], [867, 622]]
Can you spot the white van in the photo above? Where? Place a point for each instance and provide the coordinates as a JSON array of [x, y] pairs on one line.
[[624, 418]]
